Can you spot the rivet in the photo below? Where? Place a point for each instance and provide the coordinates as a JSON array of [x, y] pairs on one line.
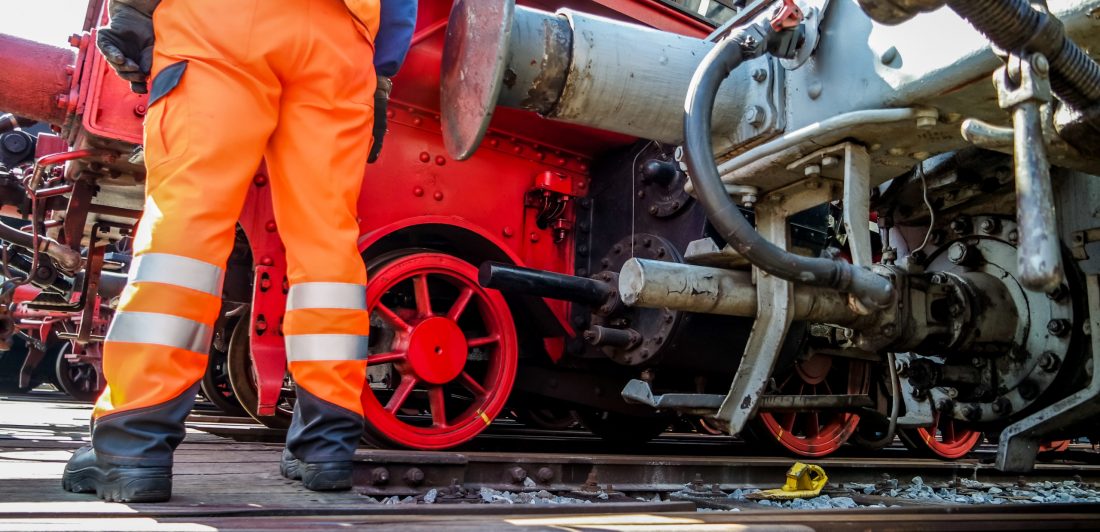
[[414, 476], [438, 196], [270, 226], [507, 231], [390, 113], [267, 261], [494, 142], [425, 156], [417, 121], [534, 236], [517, 149], [560, 161], [139, 109], [418, 191], [260, 180], [440, 160]]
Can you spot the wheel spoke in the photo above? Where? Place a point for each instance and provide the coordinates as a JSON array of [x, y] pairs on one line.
[[485, 340], [813, 425], [392, 318], [460, 303], [423, 299], [472, 385], [438, 406], [401, 393], [385, 358], [788, 422], [948, 431]]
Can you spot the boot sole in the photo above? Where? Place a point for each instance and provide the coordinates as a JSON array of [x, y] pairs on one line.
[[327, 480], [119, 486]]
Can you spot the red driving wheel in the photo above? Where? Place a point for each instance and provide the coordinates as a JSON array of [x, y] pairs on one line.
[[946, 438], [815, 433], [447, 349]]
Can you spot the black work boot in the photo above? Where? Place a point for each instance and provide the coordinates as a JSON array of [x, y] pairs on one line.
[[116, 483], [320, 476]]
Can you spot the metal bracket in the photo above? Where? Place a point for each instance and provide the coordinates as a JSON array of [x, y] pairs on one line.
[[1023, 87], [1019, 442], [850, 163], [918, 412], [775, 304]]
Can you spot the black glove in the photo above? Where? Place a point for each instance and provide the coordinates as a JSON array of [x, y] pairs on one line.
[[381, 103], [127, 45]]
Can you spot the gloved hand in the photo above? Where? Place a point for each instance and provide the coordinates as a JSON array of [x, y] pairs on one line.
[[381, 103], [127, 45]]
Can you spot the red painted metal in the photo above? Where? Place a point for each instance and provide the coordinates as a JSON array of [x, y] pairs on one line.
[[660, 16], [34, 79], [443, 316], [947, 438]]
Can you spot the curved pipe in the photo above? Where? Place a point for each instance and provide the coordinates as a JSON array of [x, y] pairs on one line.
[[873, 291]]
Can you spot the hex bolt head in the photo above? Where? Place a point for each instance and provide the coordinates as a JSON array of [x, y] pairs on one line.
[[960, 225], [1049, 362], [1058, 327], [379, 475], [989, 226], [1002, 406], [927, 122], [1013, 237], [958, 253], [414, 476], [544, 474], [754, 116], [759, 75], [517, 474], [972, 413]]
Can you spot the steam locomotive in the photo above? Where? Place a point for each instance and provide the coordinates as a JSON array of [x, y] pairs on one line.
[[807, 223]]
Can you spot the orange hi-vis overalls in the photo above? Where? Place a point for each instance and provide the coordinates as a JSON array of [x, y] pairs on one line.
[[236, 82]]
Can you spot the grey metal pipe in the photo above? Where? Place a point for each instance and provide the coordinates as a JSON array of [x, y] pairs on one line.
[[1039, 256], [658, 284]]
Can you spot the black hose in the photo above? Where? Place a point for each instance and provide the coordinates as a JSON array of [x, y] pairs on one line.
[[1013, 25], [873, 291]]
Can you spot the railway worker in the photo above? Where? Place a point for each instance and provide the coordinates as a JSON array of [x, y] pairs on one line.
[[234, 82]]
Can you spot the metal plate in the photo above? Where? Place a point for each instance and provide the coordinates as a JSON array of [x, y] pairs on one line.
[[474, 57]]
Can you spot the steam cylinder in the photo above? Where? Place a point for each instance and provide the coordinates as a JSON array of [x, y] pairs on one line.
[[570, 67]]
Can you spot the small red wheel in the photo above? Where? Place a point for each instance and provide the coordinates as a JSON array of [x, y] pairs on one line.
[[814, 433], [443, 354], [947, 438]]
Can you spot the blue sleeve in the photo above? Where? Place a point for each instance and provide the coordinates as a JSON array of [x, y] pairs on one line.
[[395, 30]]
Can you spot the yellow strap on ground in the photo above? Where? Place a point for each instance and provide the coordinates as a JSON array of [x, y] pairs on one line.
[[803, 481]]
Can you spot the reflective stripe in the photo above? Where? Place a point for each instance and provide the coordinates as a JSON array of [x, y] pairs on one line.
[[160, 329], [327, 295], [326, 347], [179, 271]]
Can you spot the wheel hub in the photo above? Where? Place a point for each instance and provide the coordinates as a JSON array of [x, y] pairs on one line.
[[437, 350]]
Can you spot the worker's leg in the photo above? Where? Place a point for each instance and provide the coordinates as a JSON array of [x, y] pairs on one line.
[[316, 159], [210, 117]]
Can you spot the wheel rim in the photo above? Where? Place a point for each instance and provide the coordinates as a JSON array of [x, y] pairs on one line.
[[80, 380], [444, 350], [243, 384], [947, 439], [817, 433]]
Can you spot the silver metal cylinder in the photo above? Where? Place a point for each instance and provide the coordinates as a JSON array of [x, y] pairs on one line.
[[587, 70], [657, 284]]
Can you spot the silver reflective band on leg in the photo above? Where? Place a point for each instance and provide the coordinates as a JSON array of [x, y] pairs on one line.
[[160, 329], [177, 270], [301, 347], [327, 295]]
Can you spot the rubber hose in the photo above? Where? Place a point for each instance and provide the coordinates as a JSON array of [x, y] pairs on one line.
[[1013, 25], [873, 291]]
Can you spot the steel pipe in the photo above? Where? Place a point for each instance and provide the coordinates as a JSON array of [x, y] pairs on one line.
[[528, 281], [657, 284]]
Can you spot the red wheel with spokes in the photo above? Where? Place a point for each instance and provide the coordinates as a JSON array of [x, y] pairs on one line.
[[947, 438], [443, 354], [814, 433]]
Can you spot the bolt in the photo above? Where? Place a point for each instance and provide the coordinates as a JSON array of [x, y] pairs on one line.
[[74, 40], [960, 225], [653, 210], [917, 257], [759, 75], [1049, 362], [591, 484], [379, 475], [958, 253], [1013, 237], [414, 476], [748, 200], [889, 329], [972, 413], [139, 109], [1058, 327], [518, 474], [544, 474], [697, 484], [829, 161], [1040, 64], [989, 225], [1028, 390], [754, 116], [812, 170], [926, 122], [1021, 482], [1059, 293], [1002, 406], [889, 55]]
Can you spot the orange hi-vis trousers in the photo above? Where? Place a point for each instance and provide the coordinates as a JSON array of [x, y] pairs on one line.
[[236, 82]]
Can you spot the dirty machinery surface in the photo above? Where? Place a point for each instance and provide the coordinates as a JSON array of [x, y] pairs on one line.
[[804, 223]]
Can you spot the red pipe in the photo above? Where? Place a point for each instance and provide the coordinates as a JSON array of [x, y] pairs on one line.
[[35, 79]]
